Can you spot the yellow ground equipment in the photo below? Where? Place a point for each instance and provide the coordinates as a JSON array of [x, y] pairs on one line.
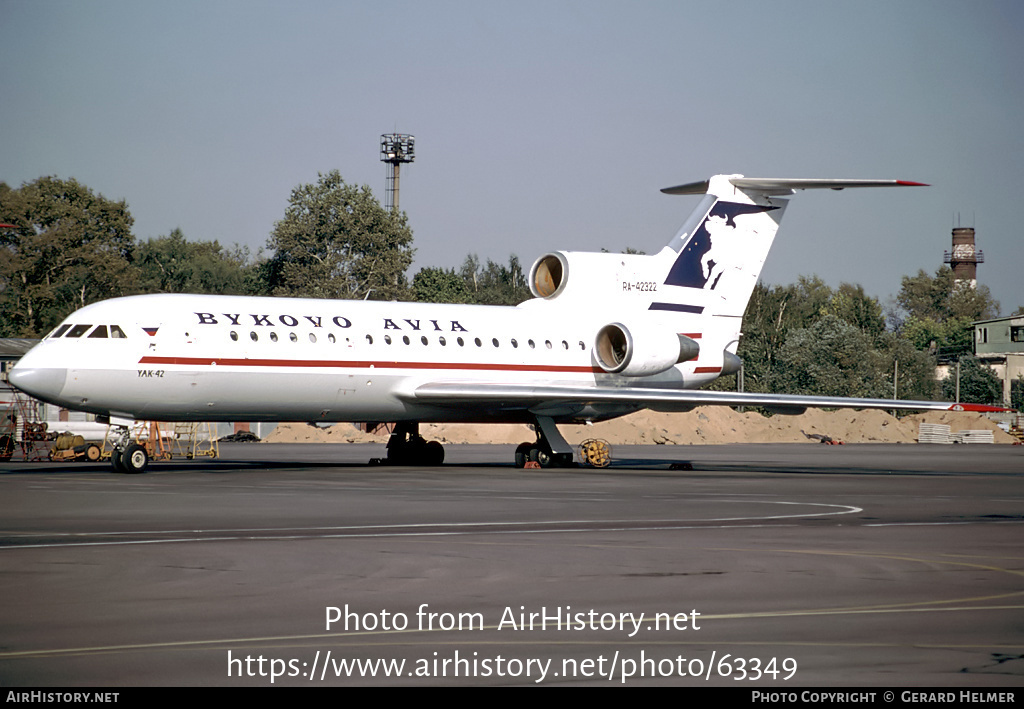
[[68, 446], [596, 453]]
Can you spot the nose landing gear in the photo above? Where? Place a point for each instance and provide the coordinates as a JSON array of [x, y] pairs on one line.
[[128, 456]]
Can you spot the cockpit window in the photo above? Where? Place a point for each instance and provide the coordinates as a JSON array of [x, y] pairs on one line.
[[101, 332], [78, 330]]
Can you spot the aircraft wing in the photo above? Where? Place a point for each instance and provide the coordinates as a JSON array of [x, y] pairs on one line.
[[537, 399]]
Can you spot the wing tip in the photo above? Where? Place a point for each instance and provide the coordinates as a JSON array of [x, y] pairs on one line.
[[978, 408]]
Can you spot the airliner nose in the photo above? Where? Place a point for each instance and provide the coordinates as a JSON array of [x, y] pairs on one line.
[[43, 383]]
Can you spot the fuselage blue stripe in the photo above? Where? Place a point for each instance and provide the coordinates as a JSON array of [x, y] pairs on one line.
[[678, 308]]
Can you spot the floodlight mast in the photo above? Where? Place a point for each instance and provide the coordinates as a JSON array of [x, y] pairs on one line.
[[395, 148]]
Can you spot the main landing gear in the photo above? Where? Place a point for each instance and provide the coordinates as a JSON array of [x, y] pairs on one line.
[[407, 447], [549, 450]]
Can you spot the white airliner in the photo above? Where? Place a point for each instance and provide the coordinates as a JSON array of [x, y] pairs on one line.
[[606, 335]]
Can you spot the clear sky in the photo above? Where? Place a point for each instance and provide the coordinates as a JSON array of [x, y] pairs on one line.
[[539, 125]]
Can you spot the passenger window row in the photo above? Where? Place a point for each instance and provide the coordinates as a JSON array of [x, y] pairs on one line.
[[274, 338], [495, 342], [424, 340]]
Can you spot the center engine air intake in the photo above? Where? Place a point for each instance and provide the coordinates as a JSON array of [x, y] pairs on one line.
[[549, 275], [642, 351]]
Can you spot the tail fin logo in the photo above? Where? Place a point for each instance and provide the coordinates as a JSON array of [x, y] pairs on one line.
[[716, 246]]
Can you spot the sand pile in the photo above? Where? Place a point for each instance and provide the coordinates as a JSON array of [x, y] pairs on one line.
[[704, 425], [307, 433]]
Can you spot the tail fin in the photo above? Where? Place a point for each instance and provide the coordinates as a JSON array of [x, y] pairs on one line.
[[720, 250]]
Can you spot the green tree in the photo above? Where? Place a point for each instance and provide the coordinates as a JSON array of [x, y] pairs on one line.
[[771, 314], [765, 326], [915, 369], [853, 305], [831, 358], [495, 284], [69, 247], [470, 274], [937, 312], [953, 336], [925, 297], [940, 298], [978, 383], [811, 297], [171, 264], [436, 285], [336, 241], [1017, 393]]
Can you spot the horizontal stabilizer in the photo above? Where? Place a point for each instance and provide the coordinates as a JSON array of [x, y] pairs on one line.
[[775, 185]]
